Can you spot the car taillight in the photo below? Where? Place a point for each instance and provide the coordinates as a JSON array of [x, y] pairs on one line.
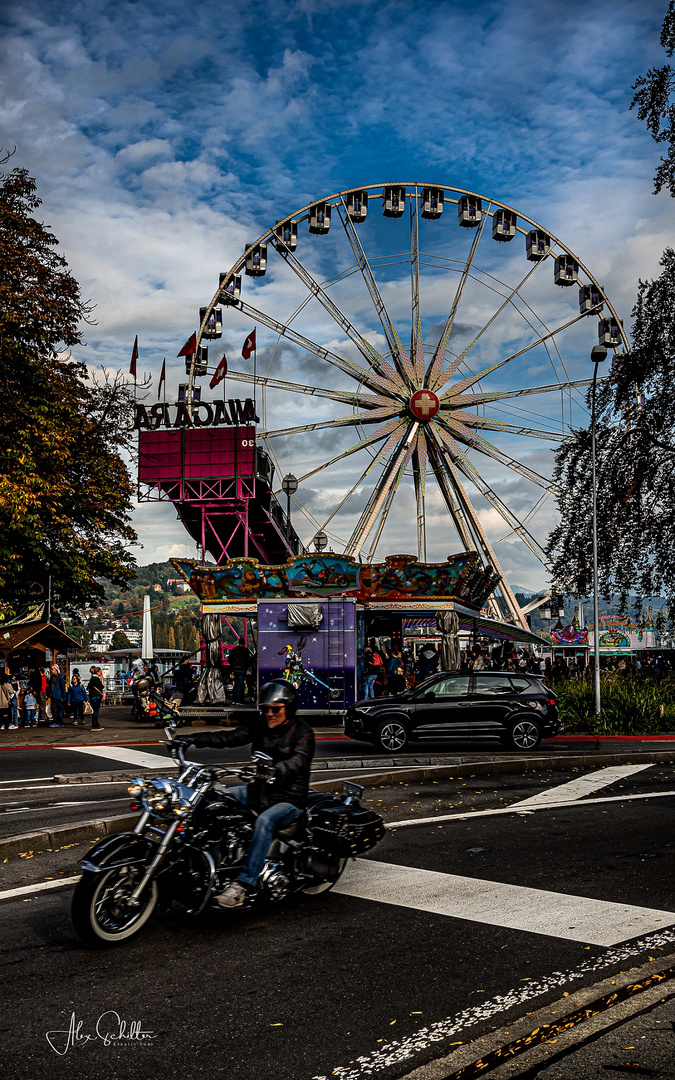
[[550, 701]]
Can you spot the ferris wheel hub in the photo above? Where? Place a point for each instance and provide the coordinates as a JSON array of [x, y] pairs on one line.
[[424, 404]]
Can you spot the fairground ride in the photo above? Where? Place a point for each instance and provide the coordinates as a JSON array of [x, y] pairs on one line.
[[466, 319]]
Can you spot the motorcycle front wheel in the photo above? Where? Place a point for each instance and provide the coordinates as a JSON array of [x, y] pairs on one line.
[[314, 890], [100, 910]]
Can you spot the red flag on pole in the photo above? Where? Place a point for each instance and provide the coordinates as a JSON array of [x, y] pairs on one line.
[[220, 373], [190, 346], [134, 358], [162, 379], [249, 345]]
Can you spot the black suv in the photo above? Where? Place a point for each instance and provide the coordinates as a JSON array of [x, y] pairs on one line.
[[518, 709]]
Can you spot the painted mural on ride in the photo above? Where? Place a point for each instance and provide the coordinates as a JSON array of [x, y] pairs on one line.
[[461, 578]]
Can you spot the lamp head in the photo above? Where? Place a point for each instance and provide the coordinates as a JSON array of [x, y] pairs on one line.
[[598, 354]]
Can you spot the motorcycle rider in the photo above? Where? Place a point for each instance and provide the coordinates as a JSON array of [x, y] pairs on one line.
[[279, 799]]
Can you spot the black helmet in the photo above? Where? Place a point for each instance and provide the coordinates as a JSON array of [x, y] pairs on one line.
[[279, 692]]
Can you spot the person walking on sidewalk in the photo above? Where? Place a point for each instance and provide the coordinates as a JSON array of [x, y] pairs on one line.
[[96, 695], [77, 695], [57, 693], [6, 694]]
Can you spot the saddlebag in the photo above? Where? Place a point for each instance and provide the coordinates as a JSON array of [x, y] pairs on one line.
[[346, 831]]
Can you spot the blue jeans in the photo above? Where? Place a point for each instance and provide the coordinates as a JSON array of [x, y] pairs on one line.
[[14, 711], [370, 685], [239, 680], [266, 825], [95, 703]]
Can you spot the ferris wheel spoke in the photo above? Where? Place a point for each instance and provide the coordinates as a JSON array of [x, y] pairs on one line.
[[386, 509], [454, 494], [416, 344], [464, 384], [369, 378], [379, 495], [475, 441], [502, 509], [399, 355], [320, 425], [502, 395], [390, 430], [474, 420], [365, 401], [435, 367], [368, 351], [509, 299], [419, 461], [379, 457]]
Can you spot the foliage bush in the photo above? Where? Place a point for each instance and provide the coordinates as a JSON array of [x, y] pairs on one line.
[[630, 705]]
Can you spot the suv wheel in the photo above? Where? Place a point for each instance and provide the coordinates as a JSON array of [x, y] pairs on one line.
[[391, 735], [523, 734]]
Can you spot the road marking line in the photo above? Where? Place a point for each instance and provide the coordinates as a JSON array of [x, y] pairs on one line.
[[516, 808], [26, 780], [41, 886], [136, 758], [536, 911], [398, 1051], [583, 785]]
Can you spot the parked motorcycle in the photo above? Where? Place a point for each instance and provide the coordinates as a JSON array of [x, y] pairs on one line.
[[191, 840]]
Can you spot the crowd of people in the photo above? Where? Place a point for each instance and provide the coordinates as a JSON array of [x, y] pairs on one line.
[[46, 697], [393, 670]]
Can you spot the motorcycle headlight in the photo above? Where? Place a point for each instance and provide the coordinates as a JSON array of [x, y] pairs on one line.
[[136, 788], [158, 795], [181, 808]]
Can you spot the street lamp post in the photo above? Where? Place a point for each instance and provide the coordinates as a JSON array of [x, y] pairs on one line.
[[598, 354], [289, 484]]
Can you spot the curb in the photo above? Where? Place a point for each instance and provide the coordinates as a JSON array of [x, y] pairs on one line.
[[89, 830], [51, 839], [528, 1035]]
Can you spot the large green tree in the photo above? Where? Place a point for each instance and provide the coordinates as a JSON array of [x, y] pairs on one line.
[[635, 421], [635, 465], [65, 491]]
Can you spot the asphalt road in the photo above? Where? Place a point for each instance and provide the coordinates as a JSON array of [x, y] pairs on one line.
[[460, 922], [30, 800]]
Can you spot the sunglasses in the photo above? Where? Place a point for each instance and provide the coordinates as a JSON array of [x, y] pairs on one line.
[[272, 708]]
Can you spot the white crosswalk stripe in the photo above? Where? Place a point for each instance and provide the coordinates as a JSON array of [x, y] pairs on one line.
[[138, 758], [582, 785], [537, 911]]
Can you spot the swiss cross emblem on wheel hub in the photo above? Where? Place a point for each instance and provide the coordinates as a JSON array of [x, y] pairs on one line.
[[424, 404]]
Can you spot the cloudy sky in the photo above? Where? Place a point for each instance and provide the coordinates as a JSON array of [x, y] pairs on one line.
[[165, 136]]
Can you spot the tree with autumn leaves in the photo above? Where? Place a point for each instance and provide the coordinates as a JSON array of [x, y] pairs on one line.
[[65, 491]]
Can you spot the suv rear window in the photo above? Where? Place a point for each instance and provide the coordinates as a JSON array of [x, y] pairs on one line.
[[521, 685], [494, 685]]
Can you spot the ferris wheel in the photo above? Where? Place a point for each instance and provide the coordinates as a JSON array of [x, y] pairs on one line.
[[421, 351]]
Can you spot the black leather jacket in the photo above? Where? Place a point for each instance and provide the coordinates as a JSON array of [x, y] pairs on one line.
[[291, 747]]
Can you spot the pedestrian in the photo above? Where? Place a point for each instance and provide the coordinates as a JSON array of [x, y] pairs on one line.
[[427, 663], [96, 690], [30, 705], [476, 662], [76, 697], [371, 670], [57, 693], [6, 694], [14, 703], [239, 659]]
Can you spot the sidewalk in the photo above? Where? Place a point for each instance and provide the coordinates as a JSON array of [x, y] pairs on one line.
[[117, 726]]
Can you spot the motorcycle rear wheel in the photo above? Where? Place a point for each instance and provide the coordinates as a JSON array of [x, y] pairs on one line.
[[315, 890], [100, 912]]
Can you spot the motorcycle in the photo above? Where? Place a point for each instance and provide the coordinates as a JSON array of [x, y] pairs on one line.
[[191, 840]]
